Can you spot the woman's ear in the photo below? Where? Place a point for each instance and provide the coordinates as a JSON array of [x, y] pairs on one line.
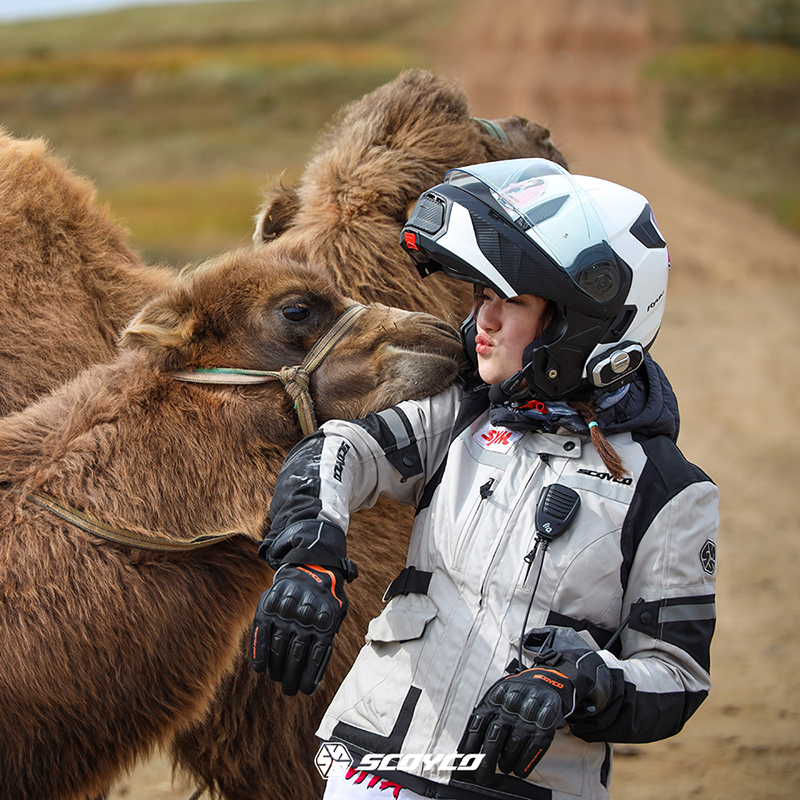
[[276, 214]]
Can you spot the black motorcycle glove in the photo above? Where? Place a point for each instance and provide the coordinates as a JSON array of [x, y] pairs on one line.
[[516, 720], [295, 623]]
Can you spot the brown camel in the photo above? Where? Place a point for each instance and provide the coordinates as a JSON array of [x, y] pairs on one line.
[[250, 742], [368, 169], [68, 281], [109, 648], [377, 156]]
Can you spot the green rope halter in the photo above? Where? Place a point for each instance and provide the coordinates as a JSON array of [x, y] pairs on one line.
[[296, 380]]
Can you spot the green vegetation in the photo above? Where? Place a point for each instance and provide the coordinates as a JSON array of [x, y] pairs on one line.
[[181, 113], [729, 75]]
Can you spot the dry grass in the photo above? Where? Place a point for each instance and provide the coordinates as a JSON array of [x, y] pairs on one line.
[[181, 114]]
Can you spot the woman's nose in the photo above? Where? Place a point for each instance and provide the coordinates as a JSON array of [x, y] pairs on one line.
[[487, 318]]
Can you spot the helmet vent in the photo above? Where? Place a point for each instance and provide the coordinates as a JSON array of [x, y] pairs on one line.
[[645, 230], [540, 213], [428, 214]]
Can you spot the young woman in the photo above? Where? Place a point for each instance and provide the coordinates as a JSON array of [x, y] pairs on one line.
[[559, 589]]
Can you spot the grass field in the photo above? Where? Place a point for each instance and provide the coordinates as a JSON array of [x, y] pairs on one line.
[[729, 75], [181, 114]]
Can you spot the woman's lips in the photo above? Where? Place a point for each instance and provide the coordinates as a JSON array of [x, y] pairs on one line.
[[482, 345]]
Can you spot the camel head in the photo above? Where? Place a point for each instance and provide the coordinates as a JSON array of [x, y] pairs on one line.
[[368, 169], [263, 311]]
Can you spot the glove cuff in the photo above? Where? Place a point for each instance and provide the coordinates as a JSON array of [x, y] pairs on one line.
[[565, 650], [591, 678], [310, 542]]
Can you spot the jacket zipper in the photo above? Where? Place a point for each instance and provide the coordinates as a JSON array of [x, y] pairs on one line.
[[444, 710], [485, 492]]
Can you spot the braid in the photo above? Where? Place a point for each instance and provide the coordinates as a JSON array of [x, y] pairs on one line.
[[588, 412]]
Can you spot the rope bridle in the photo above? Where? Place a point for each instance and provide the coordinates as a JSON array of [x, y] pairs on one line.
[[493, 129], [296, 382]]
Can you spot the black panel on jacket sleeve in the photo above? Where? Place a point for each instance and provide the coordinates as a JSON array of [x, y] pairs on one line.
[[393, 431], [665, 475], [638, 717], [686, 622], [297, 487]]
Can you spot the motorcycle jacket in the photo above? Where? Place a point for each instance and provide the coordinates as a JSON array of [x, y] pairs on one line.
[[633, 575]]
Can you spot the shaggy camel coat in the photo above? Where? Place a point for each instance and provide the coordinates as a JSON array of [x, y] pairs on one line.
[[369, 167], [71, 283], [107, 649]]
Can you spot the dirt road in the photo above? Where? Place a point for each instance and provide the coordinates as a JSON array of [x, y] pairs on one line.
[[728, 344]]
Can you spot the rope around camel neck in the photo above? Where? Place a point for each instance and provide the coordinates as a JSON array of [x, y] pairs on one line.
[[144, 540]]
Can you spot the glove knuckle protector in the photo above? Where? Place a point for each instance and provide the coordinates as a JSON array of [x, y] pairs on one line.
[[297, 618]]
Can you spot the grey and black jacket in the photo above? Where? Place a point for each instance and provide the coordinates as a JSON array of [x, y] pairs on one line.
[[642, 549]]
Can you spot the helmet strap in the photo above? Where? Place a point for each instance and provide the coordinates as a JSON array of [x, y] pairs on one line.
[[509, 390]]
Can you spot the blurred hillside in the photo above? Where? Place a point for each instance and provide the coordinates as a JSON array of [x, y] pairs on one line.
[[726, 74], [182, 114]]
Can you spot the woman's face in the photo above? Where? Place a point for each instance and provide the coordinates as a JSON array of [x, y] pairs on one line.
[[505, 329]]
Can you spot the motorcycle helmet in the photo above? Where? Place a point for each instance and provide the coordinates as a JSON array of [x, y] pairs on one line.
[[592, 248]]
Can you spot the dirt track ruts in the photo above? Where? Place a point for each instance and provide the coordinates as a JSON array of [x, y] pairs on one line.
[[728, 344]]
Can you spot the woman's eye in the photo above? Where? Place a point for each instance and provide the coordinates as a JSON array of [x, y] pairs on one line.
[[295, 313]]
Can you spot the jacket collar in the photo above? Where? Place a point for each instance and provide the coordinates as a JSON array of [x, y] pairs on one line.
[[648, 407]]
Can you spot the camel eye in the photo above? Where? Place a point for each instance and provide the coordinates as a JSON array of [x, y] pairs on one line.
[[295, 313]]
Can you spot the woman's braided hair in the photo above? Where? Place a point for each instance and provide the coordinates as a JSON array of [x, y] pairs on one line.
[[588, 412]]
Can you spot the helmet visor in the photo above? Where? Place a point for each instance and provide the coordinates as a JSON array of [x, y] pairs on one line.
[[541, 199]]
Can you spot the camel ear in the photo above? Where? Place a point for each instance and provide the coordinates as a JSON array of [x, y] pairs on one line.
[[158, 326], [276, 214]]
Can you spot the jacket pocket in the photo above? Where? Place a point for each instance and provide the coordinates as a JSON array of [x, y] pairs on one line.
[[403, 619]]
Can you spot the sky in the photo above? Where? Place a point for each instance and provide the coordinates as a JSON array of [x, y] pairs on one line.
[[14, 10]]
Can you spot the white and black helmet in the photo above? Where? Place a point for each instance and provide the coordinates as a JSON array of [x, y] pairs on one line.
[[593, 248]]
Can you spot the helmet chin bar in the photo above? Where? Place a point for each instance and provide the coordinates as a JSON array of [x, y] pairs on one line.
[[607, 372], [508, 390]]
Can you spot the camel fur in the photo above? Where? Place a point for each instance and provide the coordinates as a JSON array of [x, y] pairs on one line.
[[70, 282], [369, 167], [107, 649], [246, 741]]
